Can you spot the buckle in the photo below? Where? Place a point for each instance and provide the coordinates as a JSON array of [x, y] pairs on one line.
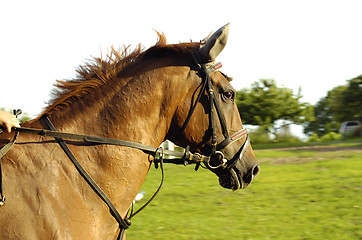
[[2, 201], [220, 157]]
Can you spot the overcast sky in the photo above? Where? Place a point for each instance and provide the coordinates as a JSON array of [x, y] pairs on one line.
[[315, 45]]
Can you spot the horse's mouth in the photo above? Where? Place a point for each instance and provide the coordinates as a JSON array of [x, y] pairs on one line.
[[235, 180], [238, 171], [231, 180]]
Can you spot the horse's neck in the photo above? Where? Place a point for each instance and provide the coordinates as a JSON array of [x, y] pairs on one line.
[[140, 111]]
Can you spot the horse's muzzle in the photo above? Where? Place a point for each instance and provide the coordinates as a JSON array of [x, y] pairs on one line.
[[235, 180], [240, 173]]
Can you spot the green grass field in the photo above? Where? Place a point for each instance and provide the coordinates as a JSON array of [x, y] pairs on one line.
[[299, 194]]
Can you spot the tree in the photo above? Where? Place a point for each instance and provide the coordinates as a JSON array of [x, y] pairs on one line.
[[351, 107], [324, 111], [265, 103], [342, 103]]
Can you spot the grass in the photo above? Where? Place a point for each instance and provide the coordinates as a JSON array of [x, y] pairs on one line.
[[295, 199]]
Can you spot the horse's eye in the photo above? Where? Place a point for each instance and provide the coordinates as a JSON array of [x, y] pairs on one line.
[[229, 95]]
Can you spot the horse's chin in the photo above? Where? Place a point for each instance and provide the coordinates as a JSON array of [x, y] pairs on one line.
[[232, 180]]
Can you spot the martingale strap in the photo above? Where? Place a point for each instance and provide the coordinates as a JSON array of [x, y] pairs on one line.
[[123, 223], [126, 222]]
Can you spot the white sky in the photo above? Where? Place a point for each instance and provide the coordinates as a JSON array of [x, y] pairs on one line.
[[314, 44]]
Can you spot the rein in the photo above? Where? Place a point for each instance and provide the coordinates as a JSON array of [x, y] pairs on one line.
[[186, 157]]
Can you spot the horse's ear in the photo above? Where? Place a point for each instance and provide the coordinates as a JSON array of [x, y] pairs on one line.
[[214, 44], [203, 41]]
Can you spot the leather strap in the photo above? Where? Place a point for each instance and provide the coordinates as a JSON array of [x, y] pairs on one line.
[[183, 158], [232, 138], [180, 156], [123, 223]]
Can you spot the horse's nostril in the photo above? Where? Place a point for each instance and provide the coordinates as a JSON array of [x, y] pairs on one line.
[[252, 173], [255, 171]]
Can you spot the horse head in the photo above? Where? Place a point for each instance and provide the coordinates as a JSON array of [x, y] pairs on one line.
[[209, 121]]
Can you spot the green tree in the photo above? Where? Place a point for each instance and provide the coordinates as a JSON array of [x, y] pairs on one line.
[[342, 103], [351, 104], [325, 113], [265, 103]]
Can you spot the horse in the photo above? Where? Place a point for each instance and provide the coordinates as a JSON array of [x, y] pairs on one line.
[[169, 91]]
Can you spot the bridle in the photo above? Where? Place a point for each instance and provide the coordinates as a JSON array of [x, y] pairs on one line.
[[185, 157], [206, 69]]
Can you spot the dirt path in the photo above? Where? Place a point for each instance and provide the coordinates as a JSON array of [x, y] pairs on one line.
[[322, 152], [321, 148]]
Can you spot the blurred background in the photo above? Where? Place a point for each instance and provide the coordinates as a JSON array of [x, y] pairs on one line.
[[296, 67]]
